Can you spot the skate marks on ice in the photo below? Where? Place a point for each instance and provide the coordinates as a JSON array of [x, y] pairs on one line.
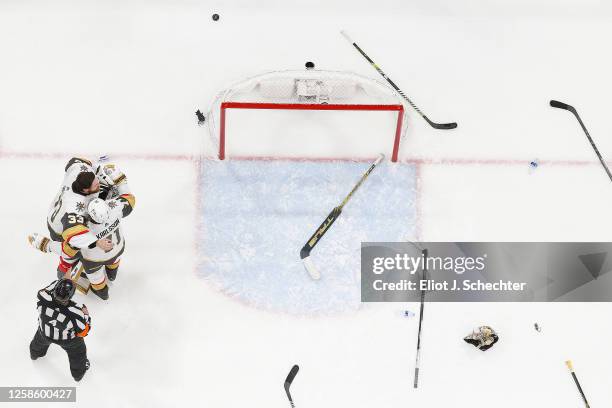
[[257, 214]]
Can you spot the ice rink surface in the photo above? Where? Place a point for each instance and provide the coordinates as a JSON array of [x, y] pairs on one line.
[[257, 215], [124, 78]]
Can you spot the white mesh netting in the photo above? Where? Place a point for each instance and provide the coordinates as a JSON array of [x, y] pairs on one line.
[[302, 87]]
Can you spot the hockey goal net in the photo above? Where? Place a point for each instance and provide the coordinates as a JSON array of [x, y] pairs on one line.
[[308, 113]]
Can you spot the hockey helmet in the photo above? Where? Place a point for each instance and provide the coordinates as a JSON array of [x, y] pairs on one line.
[[63, 290], [98, 210]]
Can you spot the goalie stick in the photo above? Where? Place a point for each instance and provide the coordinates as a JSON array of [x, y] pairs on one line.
[[399, 91], [331, 218], [289, 380], [561, 105], [418, 350], [569, 365]]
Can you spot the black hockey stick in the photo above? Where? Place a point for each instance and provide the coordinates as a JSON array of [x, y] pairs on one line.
[[569, 365], [561, 105], [331, 218], [418, 351], [380, 71], [289, 380]]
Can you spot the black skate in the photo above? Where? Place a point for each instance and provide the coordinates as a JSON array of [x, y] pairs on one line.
[[36, 357], [111, 274], [80, 377], [101, 293]]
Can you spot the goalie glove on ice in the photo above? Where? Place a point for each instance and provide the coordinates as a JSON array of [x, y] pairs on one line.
[[483, 339]]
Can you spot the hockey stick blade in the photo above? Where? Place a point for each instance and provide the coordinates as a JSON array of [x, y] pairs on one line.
[[291, 376], [310, 268], [445, 126], [561, 105], [289, 380]]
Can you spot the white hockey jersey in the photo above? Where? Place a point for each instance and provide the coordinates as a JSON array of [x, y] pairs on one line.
[[110, 230], [120, 206], [69, 220], [69, 207]]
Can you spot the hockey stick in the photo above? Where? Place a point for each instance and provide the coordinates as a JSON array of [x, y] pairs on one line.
[[569, 365], [561, 105], [289, 380], [380, 71], [418, 351], [331, 218]]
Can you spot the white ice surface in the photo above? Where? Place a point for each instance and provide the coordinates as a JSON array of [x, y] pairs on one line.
[[125, 78]]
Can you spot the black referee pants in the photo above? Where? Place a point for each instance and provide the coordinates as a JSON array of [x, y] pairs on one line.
[[75, 348]]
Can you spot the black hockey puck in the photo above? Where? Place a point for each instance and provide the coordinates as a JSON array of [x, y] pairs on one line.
[[215, 17], [309, 65]]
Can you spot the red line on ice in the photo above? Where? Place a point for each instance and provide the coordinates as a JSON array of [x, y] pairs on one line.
[[409, 160]]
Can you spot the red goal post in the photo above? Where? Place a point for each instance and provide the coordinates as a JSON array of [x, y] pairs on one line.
[[297, 90]]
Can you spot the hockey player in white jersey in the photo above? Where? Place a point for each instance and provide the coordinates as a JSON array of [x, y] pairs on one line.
[[105, 223], [79, 187], [94, 236]]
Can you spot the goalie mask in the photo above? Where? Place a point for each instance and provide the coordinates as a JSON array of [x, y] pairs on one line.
[[98, 210]]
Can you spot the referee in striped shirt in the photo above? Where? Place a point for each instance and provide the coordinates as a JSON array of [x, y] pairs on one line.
[[63, 322]]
